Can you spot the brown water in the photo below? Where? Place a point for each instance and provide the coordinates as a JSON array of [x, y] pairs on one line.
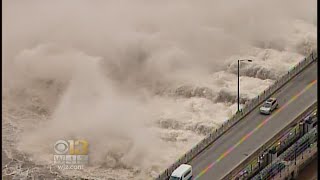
[[141, 80]]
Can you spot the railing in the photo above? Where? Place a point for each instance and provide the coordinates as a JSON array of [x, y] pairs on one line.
[[265, 173], [252, 104], [292, 168]]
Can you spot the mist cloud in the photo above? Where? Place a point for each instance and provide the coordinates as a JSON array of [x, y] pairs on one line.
[[142, 79]]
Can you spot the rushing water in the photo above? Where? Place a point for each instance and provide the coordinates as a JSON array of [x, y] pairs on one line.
[[142, 81]]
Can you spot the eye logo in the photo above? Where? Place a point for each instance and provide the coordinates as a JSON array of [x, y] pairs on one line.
[[61, 147], [71, 152], [71, 147]]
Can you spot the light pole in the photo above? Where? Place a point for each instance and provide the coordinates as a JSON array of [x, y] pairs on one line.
[[248, 60]]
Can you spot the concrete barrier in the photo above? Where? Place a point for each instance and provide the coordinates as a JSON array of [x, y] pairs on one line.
[[252, 104]]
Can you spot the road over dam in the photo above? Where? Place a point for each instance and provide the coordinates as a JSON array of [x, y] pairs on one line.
[[255, 129]]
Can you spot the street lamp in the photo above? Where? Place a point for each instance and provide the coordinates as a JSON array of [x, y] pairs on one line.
[[248, 60]]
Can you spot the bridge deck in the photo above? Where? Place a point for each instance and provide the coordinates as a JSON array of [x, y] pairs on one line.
[[215, 162]]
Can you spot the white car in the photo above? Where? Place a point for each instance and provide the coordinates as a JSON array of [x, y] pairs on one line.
[[270, 105], [183, 172]]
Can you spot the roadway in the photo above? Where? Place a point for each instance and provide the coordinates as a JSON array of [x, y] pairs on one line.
[[209, 165]]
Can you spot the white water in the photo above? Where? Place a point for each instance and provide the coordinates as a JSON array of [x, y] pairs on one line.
[[142, 81]]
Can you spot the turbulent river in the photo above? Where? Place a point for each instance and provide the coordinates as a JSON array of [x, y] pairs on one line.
[[141, 81]]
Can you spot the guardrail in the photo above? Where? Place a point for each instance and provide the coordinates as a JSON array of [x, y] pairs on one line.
[[281, 158], [252, 104], [292, 169], [234, 172]]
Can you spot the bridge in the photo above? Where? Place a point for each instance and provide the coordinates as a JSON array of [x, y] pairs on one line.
[[219, 153], [274, 156]]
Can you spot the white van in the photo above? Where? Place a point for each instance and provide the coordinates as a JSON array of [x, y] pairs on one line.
[[183, 172]]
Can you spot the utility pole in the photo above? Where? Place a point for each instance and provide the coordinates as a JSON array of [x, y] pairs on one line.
[[248, 60], [238, 85]]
